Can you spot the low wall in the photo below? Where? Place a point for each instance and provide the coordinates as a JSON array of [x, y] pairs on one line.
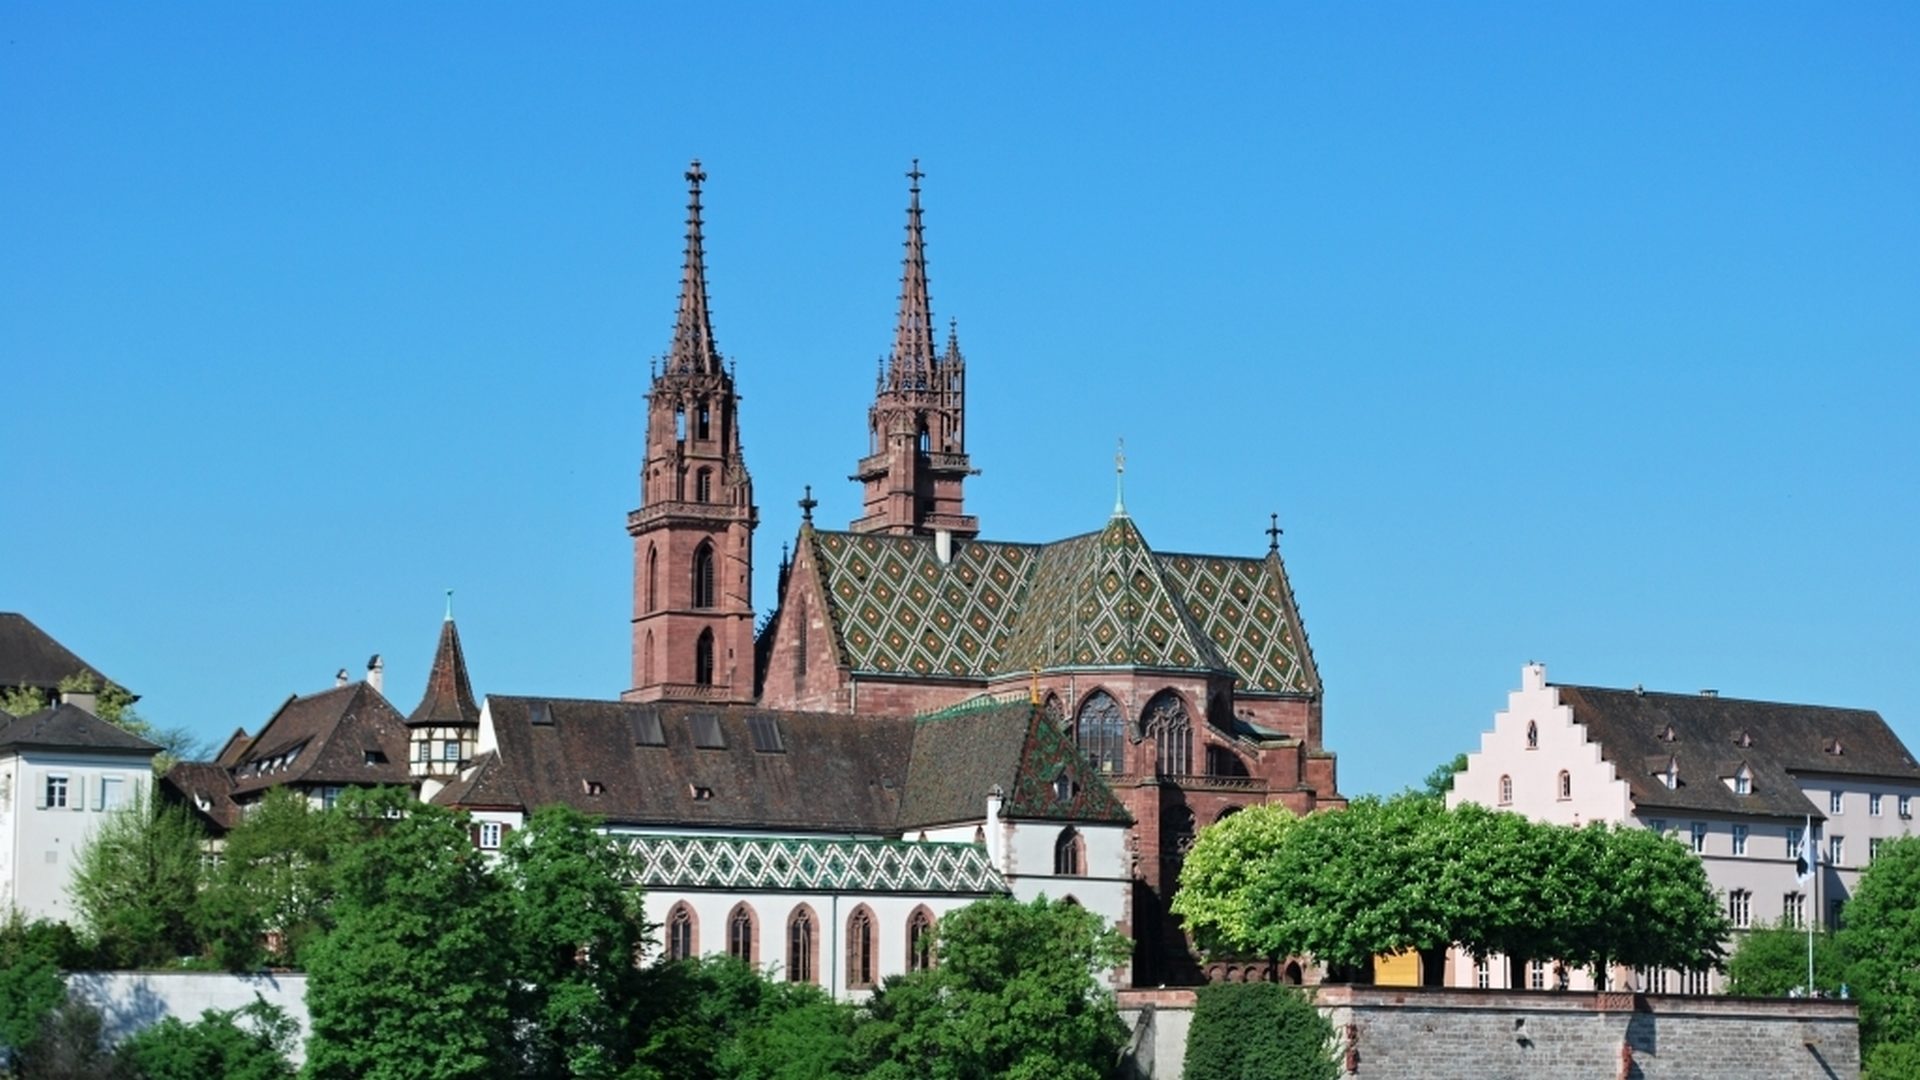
[[131, 1000], [1417, 1033]]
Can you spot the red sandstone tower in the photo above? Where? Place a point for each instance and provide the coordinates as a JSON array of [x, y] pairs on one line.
[[693, 533], [917, 455]]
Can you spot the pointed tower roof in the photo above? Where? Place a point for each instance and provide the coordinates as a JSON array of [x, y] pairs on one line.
[[913, 351], [693, 348], [449, 696]]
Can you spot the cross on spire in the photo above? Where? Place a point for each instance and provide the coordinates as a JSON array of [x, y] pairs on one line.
[[912, 361], [449, 617], [1120, 477], [807, 503], [1273, 532]]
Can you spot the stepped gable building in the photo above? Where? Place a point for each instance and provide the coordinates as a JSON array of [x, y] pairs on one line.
[[1185, 680], [1737, 781]]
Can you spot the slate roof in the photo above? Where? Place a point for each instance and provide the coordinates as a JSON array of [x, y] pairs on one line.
[[643, 765], [1711, 737], [1100, 599], [29, 656], [347, 735], [69, 727], [962, 753], [449, 695]]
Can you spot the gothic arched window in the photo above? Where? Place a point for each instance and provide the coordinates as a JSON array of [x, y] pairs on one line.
[[920, 940], [860, 948], [1506, 790], [1100, 731], [653, 578], [703, 659], [1566, 784], [1067, 854], [646, 660], [703, 575], [680, 939], [800, 946], [740, 936], [1054, 713], [1166, 721]]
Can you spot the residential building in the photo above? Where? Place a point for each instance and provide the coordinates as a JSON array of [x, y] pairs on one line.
[[1737, 781]]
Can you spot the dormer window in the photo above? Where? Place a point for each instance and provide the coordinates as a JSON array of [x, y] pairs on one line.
[[1743, 781], [1671, 777], [700, 792], [1745, 740], [1667, 734], [1062, 787], [593, 787], [1834, 747]]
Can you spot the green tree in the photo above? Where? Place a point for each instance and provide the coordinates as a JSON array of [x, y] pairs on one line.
[[137, 884], [248, 1043], [69, 1046], [1771, 961], [795, 1033], [1440, 780], [412, 981], [1215, 896], [275, 875], [22, 700], [1882, 942], [31, 986], [578, 935], [1017, 992], [1251, 1031], [114, 704]]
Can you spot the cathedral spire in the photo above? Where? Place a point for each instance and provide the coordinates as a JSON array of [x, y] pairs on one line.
[[913, 356], [693, 348]]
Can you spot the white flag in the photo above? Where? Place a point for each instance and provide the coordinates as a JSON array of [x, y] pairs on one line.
[[1808, 857]]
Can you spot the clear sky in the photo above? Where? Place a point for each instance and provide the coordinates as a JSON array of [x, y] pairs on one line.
[[1578, 333]]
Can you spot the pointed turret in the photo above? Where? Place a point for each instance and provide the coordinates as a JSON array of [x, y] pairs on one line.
[[693, 348], [444, 727], [917, 456]]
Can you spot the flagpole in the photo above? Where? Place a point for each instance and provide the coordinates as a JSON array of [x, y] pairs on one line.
[[1807, 839]]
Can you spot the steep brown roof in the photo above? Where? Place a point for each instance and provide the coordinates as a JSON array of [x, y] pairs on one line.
[[346, 735], [29, 656], [829, 773], [1711, 737], [449, 695], [208, 788], [962, 754], [69, 727], [234, 748]]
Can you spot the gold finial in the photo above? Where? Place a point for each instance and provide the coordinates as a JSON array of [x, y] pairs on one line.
[[1120, 478], [1033, 689]]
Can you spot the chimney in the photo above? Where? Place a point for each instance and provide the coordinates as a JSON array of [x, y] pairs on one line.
[[995, 799], [340, 677], [377, 674], [84, 700], [943, 545]]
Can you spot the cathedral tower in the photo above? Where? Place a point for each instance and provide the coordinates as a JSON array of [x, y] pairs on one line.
[[916, 455], [693, 533]]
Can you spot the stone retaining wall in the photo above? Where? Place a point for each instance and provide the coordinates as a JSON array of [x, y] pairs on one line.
[[131, 1000]]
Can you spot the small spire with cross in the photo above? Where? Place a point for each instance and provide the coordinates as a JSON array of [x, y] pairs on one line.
[[449, 605], [1273, 532], [807, 503], [1120, 478], [914, 174]]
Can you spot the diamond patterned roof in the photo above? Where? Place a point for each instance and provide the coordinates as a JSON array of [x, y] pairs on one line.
[[760, 863], [1096, 600]]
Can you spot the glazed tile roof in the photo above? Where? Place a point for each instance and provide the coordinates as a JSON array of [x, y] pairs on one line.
[[1100, 599], [1709, 738], [766, 863], [961, 753]]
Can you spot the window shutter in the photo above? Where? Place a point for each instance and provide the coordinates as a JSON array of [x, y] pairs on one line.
[[77, 793], [40, 790], [473, 834], [100, 795]]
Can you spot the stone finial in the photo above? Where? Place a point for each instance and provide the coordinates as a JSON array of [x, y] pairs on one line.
[[1273, 533], [807, 503]]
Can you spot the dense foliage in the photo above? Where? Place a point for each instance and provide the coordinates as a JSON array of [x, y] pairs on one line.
[[1016, 993], [1881, 940], [137, 885], [250, 1043], [1387, 875], [30, 983], [1251, 1031], [1771, 961], [270, 896]]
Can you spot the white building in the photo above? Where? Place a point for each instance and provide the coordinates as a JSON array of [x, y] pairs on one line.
[[62, 771], [820, 847], [1738, 781]]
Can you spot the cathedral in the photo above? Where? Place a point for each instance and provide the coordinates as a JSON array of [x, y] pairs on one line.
[[1184, 681]]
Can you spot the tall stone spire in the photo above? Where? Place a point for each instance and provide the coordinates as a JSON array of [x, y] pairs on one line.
[[693, 349], [912, 362], [917, 456], [449, 695]]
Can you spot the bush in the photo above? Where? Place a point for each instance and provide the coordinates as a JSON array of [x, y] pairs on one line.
[[217, 1045], [1252, 1031]]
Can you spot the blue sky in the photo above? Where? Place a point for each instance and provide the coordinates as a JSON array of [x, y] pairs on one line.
[[1579, 334]]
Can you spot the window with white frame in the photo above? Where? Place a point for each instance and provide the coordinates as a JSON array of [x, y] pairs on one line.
[[1837, 850], [450, 750], [489, 836], [54, 795], [1482, 976], [1873, 805], [1793, 909], [329, 797], [1566, 785], [1743, 781], [1793, 842], [1695, 982], [1835, 802], [1740, 909], [1739, 839], [112, 793], [1699, 837], [1906, 806], [1537, 975], [1506, 790], [1873, 848]]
